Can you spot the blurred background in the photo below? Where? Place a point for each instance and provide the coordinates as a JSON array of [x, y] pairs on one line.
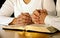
[[1, 2]]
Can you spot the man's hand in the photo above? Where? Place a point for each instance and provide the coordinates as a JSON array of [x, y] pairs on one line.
[[24, 19], [38, 16], [13, 22]]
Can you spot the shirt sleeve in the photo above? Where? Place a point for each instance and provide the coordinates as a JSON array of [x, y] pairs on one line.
[[49, 5], [5, 12], [53, 21], [58, 7]]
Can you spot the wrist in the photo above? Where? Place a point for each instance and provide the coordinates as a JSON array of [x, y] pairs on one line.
[[46, 20], [13, 22], [45, 17]]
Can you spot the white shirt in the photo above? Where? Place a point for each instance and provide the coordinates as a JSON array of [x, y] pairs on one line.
[[19, 6]]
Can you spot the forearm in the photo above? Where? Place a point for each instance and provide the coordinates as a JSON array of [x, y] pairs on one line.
[[53, 21], [5, 20], [13, 21], [5, 12], [7, 9]]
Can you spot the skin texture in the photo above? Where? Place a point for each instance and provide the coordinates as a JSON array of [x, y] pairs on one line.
[[24, 19], [13, 22], [26, 1], [38, 16]]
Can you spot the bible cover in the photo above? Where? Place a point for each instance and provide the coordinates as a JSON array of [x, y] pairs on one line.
[[32, 28]]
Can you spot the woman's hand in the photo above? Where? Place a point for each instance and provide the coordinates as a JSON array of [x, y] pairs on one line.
[[38, 16]]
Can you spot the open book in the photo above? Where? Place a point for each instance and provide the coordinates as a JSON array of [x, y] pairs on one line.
[[32, 28]]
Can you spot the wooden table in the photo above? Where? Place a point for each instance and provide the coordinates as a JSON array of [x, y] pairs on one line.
[[14, 34]]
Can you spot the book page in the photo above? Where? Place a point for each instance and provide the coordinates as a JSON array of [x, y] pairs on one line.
[[41, 28]]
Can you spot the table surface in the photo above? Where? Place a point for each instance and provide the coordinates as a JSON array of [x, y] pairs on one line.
[[12, 34]]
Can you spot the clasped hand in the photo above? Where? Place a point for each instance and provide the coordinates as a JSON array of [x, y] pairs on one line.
[[37, 17]]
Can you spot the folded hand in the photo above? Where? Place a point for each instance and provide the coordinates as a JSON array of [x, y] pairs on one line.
[[38, 16], [24, 19]]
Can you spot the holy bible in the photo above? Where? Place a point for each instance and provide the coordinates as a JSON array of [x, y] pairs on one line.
[[32, 28]]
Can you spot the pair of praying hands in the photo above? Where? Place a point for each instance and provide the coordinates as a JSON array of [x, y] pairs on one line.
[[37, 17]]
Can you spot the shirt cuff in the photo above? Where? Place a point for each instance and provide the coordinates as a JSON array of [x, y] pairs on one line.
[[48, 19], [53, 21], [5, 20]]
